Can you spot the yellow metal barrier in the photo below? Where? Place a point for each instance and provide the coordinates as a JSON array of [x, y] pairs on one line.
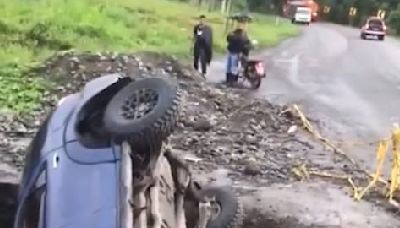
[[381, 153], [394, 174], [307, 125], [380, 159]]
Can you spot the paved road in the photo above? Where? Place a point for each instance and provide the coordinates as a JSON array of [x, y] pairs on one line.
[[351, 85]]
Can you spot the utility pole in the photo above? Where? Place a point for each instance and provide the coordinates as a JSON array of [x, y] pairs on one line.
[[223, 6], [229, 7]]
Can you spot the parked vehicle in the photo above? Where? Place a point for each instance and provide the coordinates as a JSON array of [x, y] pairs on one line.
[[374, 26], [98, 161], [290, 8], [303, 15]]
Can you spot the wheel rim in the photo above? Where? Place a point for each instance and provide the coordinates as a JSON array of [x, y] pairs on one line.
[[139, 104]]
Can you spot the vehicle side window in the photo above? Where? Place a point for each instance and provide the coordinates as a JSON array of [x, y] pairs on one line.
[[33, 152], [33, 207]]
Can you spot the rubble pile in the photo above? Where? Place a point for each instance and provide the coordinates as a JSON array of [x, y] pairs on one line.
[[220, 126], [248, 137]]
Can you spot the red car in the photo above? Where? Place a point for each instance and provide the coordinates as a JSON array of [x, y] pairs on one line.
[[374, 26]]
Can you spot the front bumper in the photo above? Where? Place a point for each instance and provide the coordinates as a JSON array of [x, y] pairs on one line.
[[303, 20], [373, 33]]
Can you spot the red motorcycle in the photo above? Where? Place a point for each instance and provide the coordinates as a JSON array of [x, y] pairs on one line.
[[252, 70]]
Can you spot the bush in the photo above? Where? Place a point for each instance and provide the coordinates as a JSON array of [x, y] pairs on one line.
[[394, 21]]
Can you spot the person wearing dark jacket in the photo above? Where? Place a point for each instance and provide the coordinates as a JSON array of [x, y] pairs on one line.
[[238, 47], [202, 45]]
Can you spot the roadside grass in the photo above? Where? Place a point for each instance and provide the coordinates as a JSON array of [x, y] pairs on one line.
[[32, 30]]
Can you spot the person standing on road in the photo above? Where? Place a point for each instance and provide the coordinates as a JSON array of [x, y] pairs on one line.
[[202, 45], [238, 47]]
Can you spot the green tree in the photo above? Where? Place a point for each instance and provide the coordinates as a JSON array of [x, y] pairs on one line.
[[394, 20], [365, 8]]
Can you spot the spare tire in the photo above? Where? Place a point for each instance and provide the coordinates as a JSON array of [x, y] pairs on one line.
[[144, 110], [230, 210]]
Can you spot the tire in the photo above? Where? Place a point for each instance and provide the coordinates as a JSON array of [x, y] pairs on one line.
[[256, 83], [381, 37], [362, 36], [125, 122], [293, 21], [231, 210]]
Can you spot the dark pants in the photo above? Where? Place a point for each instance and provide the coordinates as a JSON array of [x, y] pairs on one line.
[[202, 55]]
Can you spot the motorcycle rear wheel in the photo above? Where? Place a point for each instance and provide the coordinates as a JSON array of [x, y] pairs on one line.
[[255, 83]]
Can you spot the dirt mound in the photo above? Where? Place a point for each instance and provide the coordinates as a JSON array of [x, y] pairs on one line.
[[67, 72]]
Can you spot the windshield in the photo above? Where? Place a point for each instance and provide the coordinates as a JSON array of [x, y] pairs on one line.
[[375, 22], [303, 11]]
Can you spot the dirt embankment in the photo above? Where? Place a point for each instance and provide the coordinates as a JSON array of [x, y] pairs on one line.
[[237, 139]]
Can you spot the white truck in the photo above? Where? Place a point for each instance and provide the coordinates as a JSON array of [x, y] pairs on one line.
[[302, 15]]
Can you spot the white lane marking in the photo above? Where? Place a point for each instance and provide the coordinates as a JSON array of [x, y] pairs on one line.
[[277, 61], [292, 65], [294, 69], [312, 62]]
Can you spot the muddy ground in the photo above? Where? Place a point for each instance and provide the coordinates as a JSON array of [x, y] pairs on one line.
[[238, 140]]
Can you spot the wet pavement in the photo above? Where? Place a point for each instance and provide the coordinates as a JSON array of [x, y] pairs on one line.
[[351, 86]]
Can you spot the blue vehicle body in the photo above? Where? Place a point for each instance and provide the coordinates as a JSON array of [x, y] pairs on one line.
[[69, 181]]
